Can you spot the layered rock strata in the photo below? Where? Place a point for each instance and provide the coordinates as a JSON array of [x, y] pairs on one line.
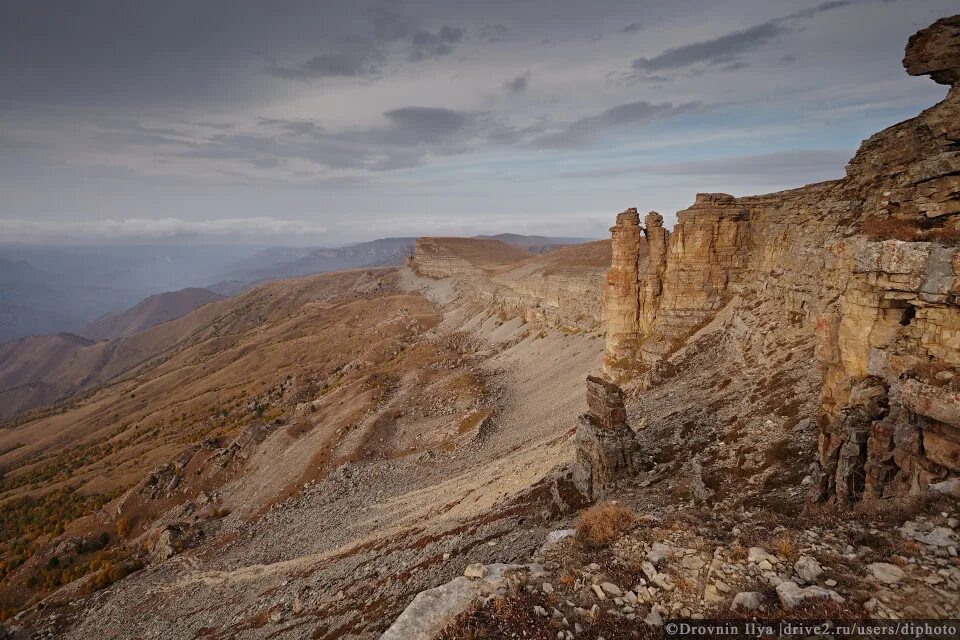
[[607, 450], [561, 288], [867, 266]]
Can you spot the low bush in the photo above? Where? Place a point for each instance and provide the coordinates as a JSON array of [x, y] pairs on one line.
[[604, 523], [877, 229]]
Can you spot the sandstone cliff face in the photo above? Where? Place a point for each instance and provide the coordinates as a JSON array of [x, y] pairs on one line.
[[561, 288], [867, 267]]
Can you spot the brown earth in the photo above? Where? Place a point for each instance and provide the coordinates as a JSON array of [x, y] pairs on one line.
[[153, 310], [296, 432]]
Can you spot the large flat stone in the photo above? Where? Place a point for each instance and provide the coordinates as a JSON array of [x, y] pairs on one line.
[[938, 403]]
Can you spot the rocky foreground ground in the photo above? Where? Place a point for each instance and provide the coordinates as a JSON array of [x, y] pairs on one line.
[[696, 564]]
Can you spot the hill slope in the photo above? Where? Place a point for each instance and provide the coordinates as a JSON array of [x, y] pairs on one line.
[[149, 312], [282, 262], [354, 417]]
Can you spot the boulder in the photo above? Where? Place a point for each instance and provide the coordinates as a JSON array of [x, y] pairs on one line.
[[886, 573], [791, 595], [475, 571], [747, 601], [939, 403], [171, 539], [758, 554], [434, 609], [660, 551], [808, 568]]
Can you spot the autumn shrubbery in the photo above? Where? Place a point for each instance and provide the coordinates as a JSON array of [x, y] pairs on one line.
[[877, 228], [604, 523], [110, 570]]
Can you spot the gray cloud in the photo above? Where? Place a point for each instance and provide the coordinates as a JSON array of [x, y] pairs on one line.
[[136, 114], [329, 65], [293, 127], [585, 130], [134, 132], [723, 49], [729, 47], [518, 84], [494, 32], [365, 57], [407, 138], [426, 44], [429, 125]]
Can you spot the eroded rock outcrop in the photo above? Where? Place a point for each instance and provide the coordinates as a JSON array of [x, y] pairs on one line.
[[434, 609], [561, 288], [621, 293], [867, 265], [607, 450]]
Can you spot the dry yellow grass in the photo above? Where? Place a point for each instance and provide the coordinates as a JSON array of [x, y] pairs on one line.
[[604, 523], [786, 548]]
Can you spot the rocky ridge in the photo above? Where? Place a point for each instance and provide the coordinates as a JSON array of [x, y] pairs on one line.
[[559, 289], [773, 349], [725, 568], [866, 268]]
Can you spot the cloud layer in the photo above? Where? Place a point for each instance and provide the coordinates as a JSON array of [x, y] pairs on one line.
[[293, 117]]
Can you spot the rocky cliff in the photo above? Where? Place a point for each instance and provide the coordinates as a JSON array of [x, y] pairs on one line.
[[866, 267], [561, 288]]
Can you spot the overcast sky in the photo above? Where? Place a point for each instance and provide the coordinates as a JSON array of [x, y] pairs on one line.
[[326, 122]]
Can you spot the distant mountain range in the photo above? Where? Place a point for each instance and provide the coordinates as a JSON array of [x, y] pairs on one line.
[[34, 302], [285, 262], [535, 244], [109, 292], [52, 289], [148, 313]]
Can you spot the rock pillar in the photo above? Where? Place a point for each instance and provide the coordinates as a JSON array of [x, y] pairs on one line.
[[607, 448], [651, 284], [621, 295]]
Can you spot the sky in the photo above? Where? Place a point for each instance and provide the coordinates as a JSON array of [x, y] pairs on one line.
[[305, 122]]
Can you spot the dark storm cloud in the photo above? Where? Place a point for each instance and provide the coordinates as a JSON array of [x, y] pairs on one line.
[[585, 130], [518, 84], [729, 47], [633, 27], [426, 45]]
